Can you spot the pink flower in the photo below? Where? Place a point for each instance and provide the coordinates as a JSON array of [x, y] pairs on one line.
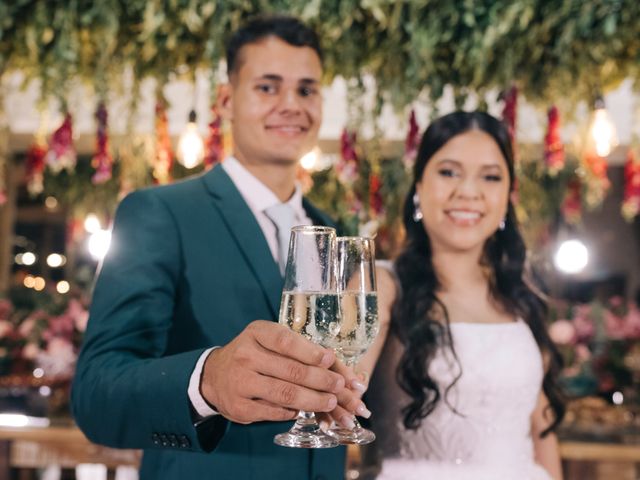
[[60, 347], [26, 327], [5, 328], [61, 326], [5, 309], [583, 324], [583, 353], [30, 351], [58, 358], [632, 323], [562, 332], [616, 301], [79, 314], [614, 324]]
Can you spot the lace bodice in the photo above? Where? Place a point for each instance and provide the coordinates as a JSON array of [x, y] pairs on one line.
[[501, 377]]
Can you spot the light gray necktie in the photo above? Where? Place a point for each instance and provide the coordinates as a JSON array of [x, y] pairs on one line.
[[283, 217]]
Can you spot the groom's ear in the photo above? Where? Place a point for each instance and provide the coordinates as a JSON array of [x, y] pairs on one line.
[[224, 101]]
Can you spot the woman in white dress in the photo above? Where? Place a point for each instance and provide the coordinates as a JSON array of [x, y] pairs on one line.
[[465, 384]]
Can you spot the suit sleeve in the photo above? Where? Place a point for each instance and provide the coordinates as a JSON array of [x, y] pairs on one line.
[[127, 392]]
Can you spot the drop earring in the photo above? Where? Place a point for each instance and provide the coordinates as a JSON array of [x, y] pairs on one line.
[[417, 213], [502, 224]]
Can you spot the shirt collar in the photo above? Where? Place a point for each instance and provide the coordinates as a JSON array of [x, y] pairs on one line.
[[256, 193]]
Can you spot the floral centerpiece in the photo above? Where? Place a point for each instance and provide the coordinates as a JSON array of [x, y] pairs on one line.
[[600, 342], [40, 335]]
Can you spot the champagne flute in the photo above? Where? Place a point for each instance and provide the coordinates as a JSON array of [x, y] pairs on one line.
[[309, 306], [358, 316]]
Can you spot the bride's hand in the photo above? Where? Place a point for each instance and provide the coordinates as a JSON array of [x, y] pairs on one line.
[[349, 399]]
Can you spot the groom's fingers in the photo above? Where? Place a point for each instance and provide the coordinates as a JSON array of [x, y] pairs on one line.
[[295, 372], [286, 342], [269, 362], [260, 410], [288, 395]]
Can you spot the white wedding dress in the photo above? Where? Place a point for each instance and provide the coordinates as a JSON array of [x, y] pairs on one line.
[[490, 438]]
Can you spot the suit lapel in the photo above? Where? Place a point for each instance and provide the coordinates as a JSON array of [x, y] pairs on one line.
[[247, 233], [318, 217]]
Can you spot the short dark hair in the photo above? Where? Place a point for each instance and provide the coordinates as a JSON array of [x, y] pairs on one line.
[[286, 28]]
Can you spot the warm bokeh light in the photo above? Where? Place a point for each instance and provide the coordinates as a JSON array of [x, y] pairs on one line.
[[56, 260], [190, 152], [28, 258], [50, 202], [17, 420], [29, 281], [45, 391], [602, 131], [99, 243], [92, 224], [572, 257], [617, 398], [63, 286], [39, 283], [311, 160]]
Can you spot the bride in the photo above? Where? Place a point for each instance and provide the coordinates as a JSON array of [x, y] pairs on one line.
[[464, 386]]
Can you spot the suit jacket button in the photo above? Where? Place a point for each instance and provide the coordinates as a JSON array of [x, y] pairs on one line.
[[184, 441], [155, 438], [164, 440], [173, 440]]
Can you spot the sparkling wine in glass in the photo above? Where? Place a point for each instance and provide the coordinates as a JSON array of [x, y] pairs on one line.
[[309, 307], [358, 315]]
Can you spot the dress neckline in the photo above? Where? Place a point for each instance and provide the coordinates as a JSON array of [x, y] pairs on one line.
[[517, 321]]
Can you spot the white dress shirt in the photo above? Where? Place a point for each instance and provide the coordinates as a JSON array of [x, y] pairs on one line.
[[258, 197]]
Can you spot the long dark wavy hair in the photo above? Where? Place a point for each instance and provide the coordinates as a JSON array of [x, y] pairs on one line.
[[420, 320]]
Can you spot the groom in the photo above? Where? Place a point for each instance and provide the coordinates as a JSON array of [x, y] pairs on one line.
[[197, 265]]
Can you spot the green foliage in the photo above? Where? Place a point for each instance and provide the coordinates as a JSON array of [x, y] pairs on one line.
[[552, 49], [80, 196]]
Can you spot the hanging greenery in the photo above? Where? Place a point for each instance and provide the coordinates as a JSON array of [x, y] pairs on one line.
[[553, 50]]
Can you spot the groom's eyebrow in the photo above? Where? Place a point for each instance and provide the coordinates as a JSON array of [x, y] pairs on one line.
[[271, 76]]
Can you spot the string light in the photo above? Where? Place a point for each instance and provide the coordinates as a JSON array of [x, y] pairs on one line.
[[39, 283], [92, 224], [190, 151], [29, 281], [99, 243], [63, 287], [572, 257], [310, 160], [26, 258], [602, 131], [56, 260]]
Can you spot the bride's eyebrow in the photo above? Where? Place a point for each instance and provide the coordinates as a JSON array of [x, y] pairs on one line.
[[449, 160]]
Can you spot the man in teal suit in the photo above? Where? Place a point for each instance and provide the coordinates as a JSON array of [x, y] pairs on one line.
[[195, 265]]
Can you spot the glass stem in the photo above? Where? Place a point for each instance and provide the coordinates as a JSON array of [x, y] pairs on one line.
[[351, 362], [307, 422]]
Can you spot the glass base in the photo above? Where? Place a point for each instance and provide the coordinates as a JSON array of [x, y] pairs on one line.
[[357, 436], [305, 433]]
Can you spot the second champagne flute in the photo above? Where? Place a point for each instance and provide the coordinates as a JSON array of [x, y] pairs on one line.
[[358, 315]]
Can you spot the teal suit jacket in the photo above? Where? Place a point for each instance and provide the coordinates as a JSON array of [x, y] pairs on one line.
[[188, 268]]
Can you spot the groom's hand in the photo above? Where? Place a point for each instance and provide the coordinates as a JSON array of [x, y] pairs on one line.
[[269, 372]]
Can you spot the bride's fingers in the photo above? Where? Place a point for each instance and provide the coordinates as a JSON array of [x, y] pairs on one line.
[[354, 381], [342, 417]]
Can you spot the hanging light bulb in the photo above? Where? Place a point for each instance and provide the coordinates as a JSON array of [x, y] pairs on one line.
[[190, 146], [310, 161], [602, 131], [571, 257]]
